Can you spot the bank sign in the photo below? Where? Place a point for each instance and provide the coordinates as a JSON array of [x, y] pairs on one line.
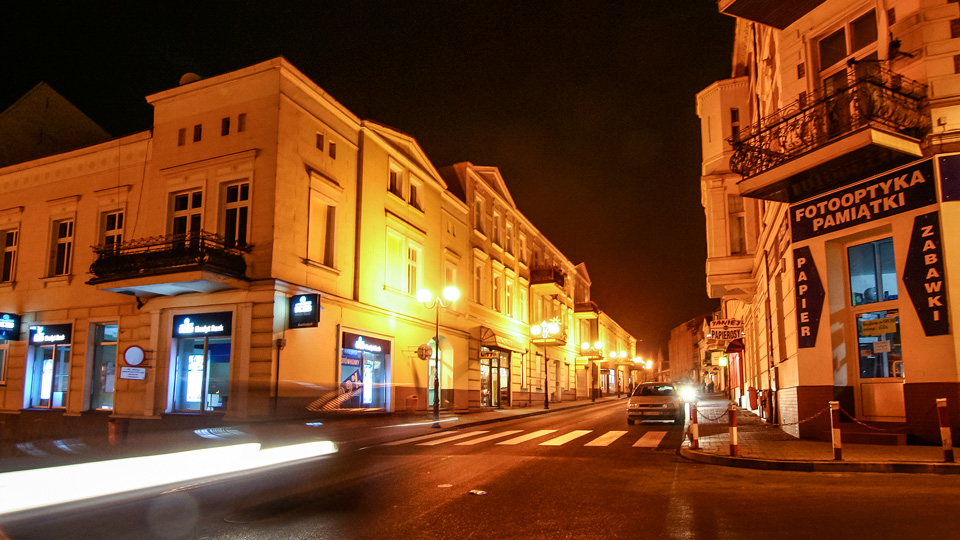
[[203, 325], [906, 189], [304, 311], [9, 326]]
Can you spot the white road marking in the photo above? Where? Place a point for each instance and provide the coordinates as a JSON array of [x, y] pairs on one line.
[[415, 439], [563, 439], [606, 439], [650, 439], [490, 437], [528, 436], [451, 438]]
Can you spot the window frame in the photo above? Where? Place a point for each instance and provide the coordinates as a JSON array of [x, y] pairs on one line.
[[231, 233], [61, 246], [9, 252]]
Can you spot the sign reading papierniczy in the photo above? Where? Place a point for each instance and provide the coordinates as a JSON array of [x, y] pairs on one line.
[[218, 324], [810, 296], [905, 189]]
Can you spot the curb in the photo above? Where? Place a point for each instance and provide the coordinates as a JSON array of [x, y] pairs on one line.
[[820, 466]]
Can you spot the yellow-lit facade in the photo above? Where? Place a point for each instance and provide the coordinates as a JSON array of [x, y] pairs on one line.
[[258, 253], [829, 190]]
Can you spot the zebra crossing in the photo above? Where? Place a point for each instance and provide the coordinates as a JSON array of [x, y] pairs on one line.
[[514, 437]]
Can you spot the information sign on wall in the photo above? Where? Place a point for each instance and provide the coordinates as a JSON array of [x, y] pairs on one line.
[[304, 310]]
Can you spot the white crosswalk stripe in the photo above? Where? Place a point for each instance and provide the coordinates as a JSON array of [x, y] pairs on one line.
[[564, 439], [528, 437], [415, 439], [490, 437], [650, 439], [607, 438], [456, 437]]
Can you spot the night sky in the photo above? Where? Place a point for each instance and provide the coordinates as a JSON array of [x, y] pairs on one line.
[[587, 107]]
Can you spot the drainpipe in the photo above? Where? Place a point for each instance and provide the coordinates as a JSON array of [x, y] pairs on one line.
[[359, 218]]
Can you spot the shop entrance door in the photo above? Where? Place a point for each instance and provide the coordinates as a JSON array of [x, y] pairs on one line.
[[202, 376], [48, 388]]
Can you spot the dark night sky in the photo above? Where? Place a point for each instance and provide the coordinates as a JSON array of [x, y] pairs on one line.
[[587, 107]]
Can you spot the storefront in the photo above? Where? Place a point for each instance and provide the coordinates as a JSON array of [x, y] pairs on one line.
[[364, 372], [494, 377], [48, 366], [200, 370]]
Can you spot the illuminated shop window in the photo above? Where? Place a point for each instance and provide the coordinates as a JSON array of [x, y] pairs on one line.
[[873, 274], [103, 374]]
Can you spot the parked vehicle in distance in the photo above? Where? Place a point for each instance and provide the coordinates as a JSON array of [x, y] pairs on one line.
[[656, 401]]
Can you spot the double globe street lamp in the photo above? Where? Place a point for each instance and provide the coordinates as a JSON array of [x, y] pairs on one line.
[[545, 329], [450, 294]]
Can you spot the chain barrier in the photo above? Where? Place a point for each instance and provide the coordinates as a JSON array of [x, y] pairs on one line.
[[700, 414], [807, 419]]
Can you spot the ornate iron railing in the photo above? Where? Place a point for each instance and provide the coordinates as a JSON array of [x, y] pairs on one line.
[[547, 274], [876, 97], [165, 254]]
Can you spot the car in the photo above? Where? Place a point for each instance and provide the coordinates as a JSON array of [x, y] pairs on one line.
[[656, 401]]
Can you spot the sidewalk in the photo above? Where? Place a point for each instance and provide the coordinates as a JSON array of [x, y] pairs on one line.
[[763, 446]]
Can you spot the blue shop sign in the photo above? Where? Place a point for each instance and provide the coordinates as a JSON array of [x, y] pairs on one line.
[[9, 326], [365, 343], [51, 334], [304, 310], [218, 324]]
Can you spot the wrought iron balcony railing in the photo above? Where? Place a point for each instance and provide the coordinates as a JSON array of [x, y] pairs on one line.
[[167, 254], [875, 97], [547, 274]]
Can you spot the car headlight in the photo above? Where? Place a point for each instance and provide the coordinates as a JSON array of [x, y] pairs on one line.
[[687, 393]]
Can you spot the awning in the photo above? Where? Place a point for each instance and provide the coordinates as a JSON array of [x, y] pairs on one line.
[[735, 345], [490, 338]]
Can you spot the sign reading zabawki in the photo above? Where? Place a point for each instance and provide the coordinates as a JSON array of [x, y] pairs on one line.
[[905, 189]]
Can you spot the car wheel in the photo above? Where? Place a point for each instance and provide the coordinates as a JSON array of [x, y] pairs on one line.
[[629, 421]]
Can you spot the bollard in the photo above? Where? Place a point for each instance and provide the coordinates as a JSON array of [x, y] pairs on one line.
[[694, 428], [944, 417], [732, 411], [835, 429]]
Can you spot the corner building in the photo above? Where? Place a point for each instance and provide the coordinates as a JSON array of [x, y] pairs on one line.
[[830, 188], [256, 254]]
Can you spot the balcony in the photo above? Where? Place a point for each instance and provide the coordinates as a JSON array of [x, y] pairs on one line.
[[731, 277], [586, 310], [823, 142], [547, 280], [775, 13], [169, 265]]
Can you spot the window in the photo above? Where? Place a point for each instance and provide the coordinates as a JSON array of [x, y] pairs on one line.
[[47, 377], [523, 249], [497, 239], [396, 182], [508, 300], [478, 265], [873, 275], [524, 304], [478, 214], [197, 133], [4, 354], [182, 136], [497, 292], [736, 215], [322, 232], [236, 210], [61, 247], [242, 122], [319, 142], [102, 376], [111, 229], [734, 122], [404, 270], [225, 126], [509, 239], [450, 274], [856, 40], [416, 190], [333, 150], [8, 245], [878, 339], [187, 212]]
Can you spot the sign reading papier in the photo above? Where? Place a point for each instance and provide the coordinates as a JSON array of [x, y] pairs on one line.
[[810, 296], [923, 275]]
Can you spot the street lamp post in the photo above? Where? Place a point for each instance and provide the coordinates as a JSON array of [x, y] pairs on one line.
[[595, 351], [450, 294], [545, 329]]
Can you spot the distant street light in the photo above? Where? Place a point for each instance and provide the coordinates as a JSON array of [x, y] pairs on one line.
[[450, 294], [545, 329]]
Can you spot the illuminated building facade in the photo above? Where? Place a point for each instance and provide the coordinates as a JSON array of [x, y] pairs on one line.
[[829, 186], [257, 253]]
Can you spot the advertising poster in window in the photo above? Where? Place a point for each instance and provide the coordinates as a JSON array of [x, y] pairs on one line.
[[923, 275]]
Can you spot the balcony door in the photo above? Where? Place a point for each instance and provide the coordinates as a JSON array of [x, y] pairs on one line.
[[187, 212]]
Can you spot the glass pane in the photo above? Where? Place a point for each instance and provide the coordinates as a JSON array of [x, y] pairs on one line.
[[485, 396], [863, 31], [863, 274], [878, 340], [189, 375], [218, 375], [833, 48], [888, 270]]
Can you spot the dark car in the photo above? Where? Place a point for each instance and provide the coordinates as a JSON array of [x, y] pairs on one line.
[[656, 401]]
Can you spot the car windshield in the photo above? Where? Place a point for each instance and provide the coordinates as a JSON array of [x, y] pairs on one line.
[[655, 390]]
